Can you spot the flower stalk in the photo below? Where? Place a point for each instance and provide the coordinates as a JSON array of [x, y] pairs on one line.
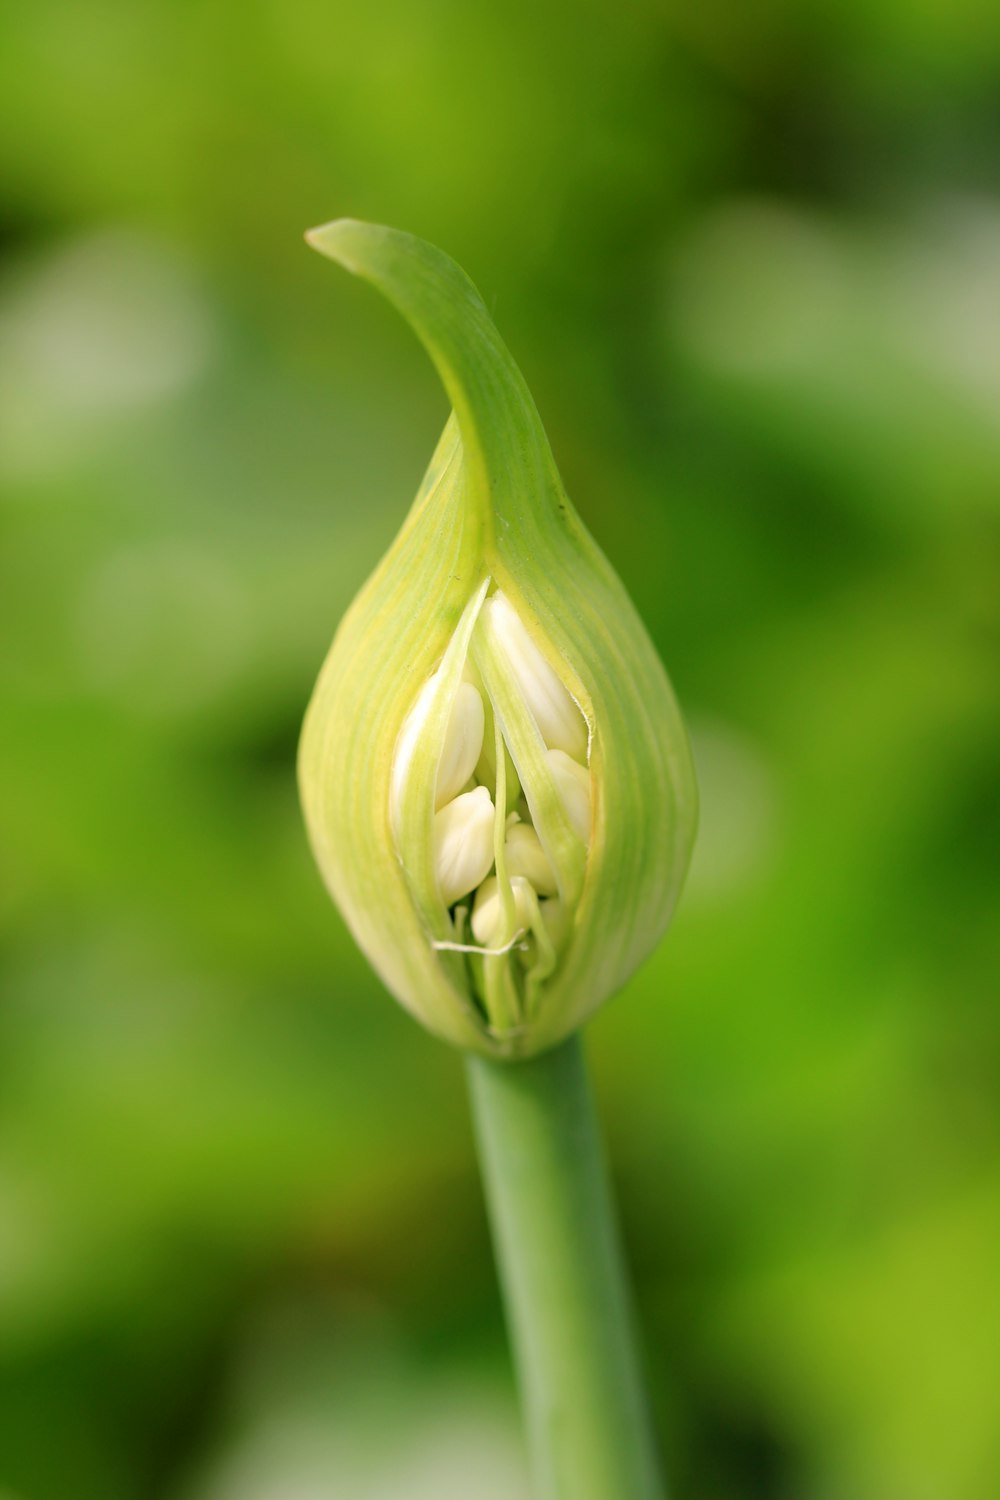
[[561, 1268]]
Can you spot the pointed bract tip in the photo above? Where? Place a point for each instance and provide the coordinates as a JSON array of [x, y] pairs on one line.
[[345, 241]]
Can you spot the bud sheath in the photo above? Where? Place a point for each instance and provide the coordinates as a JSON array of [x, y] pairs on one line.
[[492, 710]]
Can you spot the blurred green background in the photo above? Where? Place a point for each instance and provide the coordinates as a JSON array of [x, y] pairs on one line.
[[749, 260]]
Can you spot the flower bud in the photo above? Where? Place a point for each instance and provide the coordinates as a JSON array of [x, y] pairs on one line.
[[463, 844], [559, 720], [573, 785], [463, 743], [488, 914], [492, 662], [525, 856]]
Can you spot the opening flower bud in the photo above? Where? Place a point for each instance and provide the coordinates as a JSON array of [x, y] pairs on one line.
[[492, 661]]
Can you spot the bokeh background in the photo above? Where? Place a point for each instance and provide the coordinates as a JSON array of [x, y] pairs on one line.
[[749, 260]]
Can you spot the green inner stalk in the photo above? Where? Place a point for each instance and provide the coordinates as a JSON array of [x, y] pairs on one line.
[[563, 1278]]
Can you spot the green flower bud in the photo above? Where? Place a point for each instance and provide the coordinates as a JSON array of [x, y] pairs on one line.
[[494, 772]]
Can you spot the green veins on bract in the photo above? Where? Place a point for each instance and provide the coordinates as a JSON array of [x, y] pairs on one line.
[[495, 776]]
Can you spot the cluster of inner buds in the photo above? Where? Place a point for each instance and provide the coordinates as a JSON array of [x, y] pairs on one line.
[[501, 884]]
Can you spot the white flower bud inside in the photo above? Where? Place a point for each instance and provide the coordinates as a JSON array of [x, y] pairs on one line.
[[463, 843], [560, 722], [525, 856], [573, 785], [487, 914], [463, 743]]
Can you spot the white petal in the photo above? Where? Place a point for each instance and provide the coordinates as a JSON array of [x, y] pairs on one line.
[[463, 843]]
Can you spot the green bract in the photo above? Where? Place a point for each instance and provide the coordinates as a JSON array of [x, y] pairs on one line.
[[495, 775]]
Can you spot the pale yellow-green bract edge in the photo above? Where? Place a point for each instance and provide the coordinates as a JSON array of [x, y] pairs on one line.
[[491, 511]]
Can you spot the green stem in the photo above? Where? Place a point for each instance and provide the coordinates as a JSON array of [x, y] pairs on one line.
[[563, 1278]]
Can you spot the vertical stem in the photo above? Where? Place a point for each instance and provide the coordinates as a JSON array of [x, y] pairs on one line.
[[563, 1278]]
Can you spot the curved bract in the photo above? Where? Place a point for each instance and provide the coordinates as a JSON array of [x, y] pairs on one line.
[[494, 634]]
